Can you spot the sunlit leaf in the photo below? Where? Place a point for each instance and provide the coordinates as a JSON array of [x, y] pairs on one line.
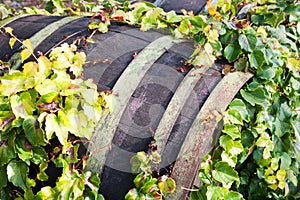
[[225, 174], [12, 42], [166, 185], [17, 172]]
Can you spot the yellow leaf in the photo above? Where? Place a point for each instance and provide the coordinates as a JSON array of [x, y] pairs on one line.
[[28, 45], [44, 65], [9, 30], [25, 53], [30, 68], [280, 175], [12, 41]]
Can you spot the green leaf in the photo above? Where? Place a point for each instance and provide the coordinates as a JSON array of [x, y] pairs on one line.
[[232, 52], [231, 195], [239, 105], [3, 177], [33, 131], [232, 130], [24, 149], [12, 83], [225, 174], [141, 179], [134, 194], [285, 161], [42, 176], [149, 186], [47, 193], [166, 185], [17, 172], [241, 64], [256, 96], [235, 116], [7, 148], [215, 192], [248, 42], [39, 155], [257, 59]]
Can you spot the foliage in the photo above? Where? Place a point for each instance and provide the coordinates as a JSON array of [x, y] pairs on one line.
[[146, 186], [44, 108], [258, 155]]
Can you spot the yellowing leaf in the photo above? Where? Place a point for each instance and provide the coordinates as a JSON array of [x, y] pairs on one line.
[[30, 69], [28, 45], [8, 30], [25, 53], [44, 65], [12, 42]]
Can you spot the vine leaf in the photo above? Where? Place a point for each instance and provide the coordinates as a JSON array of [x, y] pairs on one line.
[[225, 174], [3, 177], [166, 185], [248, 42], [257, 96], [17, 172], [257, 59], [215, 192], [134, 194], [232, 52], [12, 42]]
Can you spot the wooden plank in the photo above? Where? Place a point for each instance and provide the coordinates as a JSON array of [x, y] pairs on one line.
[[37, 38], [124, 88], [204, 131]]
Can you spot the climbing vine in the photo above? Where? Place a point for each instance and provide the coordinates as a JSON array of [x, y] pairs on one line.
[[258, 154], [45, 110]]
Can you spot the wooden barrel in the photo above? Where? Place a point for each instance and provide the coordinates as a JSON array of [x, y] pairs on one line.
[[181, 109], [195, 5]]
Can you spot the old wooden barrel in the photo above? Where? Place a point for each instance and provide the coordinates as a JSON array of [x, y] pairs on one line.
[[181, 110], [195, 5]]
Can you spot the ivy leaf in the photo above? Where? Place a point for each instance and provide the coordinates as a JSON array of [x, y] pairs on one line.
[[232, 52], [166, 185], [256, 96], [232, 130], [134, 194], [235, 116], [215, 192], [149, 186], [47, 193], [33, 131], [9, 30], [25, 54], [42, 176], [3, 177], [17, 172], [141, 179], [7, 148], [60, 125], [257, 59], [39, 155], [248, 42], [12, 83], [225, 174], [12, 42], [44, 66], [239, 105], [231, 195]]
